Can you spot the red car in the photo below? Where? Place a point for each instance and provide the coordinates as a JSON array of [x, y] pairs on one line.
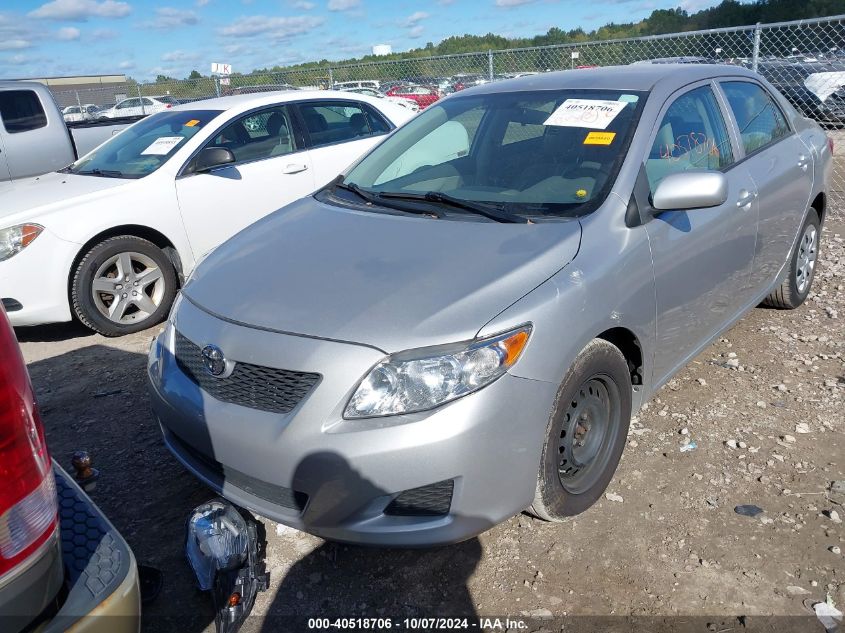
[[424, 96]]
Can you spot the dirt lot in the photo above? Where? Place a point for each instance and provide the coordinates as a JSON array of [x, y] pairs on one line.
[[668, 544]]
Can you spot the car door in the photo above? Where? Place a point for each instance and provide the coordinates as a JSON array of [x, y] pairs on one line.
[[5, 176], [128, 107], [782, 169], [702, 258], [271, 170], [338, 132]]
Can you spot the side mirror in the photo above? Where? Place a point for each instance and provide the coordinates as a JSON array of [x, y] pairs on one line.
[[212, 157], [691, 190]]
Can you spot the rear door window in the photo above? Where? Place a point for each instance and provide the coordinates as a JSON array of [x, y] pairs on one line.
[[328, 122], [21, 111], [759, 118]]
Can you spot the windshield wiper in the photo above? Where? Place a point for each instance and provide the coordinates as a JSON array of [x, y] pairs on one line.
[[378, 198], [106, 173], [488, 211]]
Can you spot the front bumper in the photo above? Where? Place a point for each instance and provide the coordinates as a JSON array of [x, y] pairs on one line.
[[36, 279], [313, 470]]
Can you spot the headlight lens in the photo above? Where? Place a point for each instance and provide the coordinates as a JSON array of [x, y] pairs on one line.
[[422, 379], [16, 238]]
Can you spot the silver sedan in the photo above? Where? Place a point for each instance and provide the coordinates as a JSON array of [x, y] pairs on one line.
[[461, 326]]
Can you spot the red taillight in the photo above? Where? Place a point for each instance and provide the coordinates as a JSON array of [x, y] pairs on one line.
[[28, 506], [830, 144], [168, 105]]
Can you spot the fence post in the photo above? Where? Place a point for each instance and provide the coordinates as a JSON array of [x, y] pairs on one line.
[[217, 85], [78, 102], [490, 65], [141, 99], [755, 56], [331, 78]]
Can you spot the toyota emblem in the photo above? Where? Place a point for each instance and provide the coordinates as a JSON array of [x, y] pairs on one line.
[[213, 360]]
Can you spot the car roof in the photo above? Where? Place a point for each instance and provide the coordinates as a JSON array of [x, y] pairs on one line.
[[634, 77], [256, 100]]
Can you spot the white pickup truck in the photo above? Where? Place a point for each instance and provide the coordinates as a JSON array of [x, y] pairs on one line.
[[34, 138]]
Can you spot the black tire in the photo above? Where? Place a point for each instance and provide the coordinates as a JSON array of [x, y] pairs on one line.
[[565, 485], [144, 257], [791, 293]]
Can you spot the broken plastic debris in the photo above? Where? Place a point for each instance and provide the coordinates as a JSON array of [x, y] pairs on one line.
[[828, 615], [748, 510], [686, 448]]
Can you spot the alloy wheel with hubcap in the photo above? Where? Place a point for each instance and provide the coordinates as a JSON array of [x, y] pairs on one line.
[[123, 284], [807, 252]]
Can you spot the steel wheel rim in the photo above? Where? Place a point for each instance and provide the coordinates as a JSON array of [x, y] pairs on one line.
[[806, 263], [128, 287], [586, 436]]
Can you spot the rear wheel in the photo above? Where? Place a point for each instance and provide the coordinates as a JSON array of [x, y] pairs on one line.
[[802, 268], [122, 285], [586, 433]]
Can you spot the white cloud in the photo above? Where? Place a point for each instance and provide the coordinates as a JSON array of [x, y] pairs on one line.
[[303, 5], [278, 28], [179, 56], [81, 10], [201, 3], [343, 5], [14, 45], [68, 33], [445, 3], [416, 32], [170, 18], [104, 34], [126, 65], [507, 4], [414, 18]]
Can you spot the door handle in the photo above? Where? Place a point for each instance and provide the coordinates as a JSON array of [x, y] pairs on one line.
[[745, 198], [803, 162], [294, 169]]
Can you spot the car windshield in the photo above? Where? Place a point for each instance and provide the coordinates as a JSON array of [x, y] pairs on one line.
[[549, 152], [144, 147]]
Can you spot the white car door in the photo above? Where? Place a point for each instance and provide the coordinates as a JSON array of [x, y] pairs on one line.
[[271, 170], [339, 132]]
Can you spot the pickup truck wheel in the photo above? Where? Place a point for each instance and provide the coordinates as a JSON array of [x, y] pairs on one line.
[[586, 433], [122, 285], [802, 268]]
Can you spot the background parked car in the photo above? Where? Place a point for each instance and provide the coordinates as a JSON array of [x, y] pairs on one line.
[[348, 85], [74, 114], [139, 106], [816, 89], [108, 239], [247, 90], [423, 96], [372, 92], [35, 137], [62, 564]]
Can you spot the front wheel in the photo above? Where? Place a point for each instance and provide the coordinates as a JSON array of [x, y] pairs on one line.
[[586, 433], [122, 285]]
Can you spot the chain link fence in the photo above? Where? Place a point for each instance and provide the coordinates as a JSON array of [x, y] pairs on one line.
[[804, 59]]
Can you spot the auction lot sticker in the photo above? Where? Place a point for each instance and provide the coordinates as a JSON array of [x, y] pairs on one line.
[[594, 114], [162, 145]]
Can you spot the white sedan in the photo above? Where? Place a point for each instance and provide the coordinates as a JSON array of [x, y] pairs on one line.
[[109, 238], [139, 106]]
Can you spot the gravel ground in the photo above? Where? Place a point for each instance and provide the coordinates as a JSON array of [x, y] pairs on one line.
[[764, 406]]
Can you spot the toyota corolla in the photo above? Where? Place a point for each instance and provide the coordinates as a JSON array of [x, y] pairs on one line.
[[461, 326]]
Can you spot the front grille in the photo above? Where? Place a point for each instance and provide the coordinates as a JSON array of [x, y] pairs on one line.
[[431, 500], [253, 386], [218, 474]]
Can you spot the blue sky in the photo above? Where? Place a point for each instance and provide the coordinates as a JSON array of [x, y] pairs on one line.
[[143, 38]]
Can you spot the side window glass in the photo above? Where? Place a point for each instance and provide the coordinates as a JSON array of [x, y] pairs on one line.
[[21, 111], [146, 101], [329, 123], [258, 135], [759, 118], [691, 135]]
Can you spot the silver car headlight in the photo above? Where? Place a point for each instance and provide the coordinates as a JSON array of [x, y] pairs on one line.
[[16, 238], [422, 379]]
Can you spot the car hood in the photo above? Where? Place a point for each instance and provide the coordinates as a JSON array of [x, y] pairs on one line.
[[391, 282], [27, 199]]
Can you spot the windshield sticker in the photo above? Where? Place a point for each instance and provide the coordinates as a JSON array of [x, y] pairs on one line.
[[581, 193], [593, 114], [192, 123], [162, 145], [599, 138]]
